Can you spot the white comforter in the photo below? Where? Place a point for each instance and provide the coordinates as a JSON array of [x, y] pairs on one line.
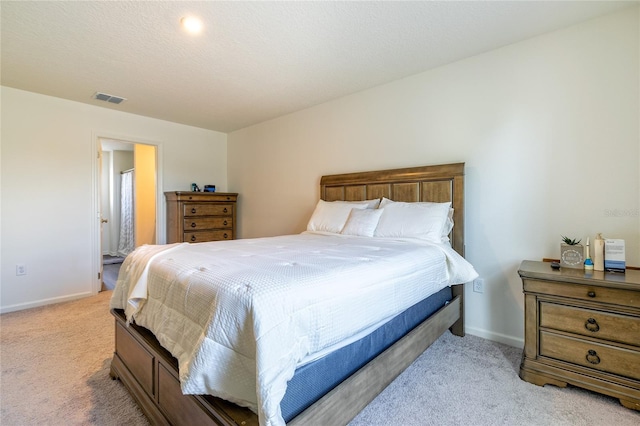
[[258, 307]]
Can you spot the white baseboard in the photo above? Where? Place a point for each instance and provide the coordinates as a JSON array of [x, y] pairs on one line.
[[43, 302], [516, 342]]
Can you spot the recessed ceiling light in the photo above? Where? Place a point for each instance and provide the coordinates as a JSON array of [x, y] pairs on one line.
[[192, 24]]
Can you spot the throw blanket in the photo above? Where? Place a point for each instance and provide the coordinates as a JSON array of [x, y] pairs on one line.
[[134, 270], [260, 306]]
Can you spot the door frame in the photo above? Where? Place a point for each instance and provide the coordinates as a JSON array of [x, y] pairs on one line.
[[96, 216]]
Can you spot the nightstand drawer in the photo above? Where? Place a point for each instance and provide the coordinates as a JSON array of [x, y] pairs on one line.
[[196, 209], [591, 322], [198, 223], [602, 357], [592, 293]]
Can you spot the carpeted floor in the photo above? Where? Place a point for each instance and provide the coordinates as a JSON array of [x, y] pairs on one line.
[[55, 367], [55, 371]]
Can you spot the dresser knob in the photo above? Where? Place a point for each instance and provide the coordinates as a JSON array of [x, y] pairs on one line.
[[225, 210], [193, 224], [592, 357], [592, 325], [591, 294], [225, 235], [193, 210], [224, 223], [193, 238]]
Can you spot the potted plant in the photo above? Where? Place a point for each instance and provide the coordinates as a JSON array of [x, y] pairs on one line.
[[571, 253]]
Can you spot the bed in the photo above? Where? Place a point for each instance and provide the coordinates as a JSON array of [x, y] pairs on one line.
[[152, 374]]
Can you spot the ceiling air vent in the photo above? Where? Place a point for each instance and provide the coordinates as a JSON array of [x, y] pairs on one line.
[[108, 98]]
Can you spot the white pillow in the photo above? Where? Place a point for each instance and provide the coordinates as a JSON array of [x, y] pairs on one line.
[[384, 202], [362, 222], [331, 216], [371, 204], [427, 221], [448, 226]]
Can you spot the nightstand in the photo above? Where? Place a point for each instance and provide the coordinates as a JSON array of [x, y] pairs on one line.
[[582, 329]]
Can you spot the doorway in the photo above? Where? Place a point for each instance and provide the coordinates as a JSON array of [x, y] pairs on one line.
[[127, 190]]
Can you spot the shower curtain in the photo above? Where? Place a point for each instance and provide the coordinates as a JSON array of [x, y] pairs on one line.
[[126, 243]]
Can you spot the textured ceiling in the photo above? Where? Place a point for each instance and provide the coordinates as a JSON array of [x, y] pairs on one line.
[[255, 60]]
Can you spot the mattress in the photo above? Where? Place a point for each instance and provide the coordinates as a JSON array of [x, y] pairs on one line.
[[313, 380], [262, 306]]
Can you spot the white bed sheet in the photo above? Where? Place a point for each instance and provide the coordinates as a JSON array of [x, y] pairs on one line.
[[260, 306]]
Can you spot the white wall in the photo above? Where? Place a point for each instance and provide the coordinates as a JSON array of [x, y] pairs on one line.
[[548, 128], [47, 176]]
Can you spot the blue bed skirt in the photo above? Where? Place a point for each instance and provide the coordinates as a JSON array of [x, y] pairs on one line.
[[314, 380]]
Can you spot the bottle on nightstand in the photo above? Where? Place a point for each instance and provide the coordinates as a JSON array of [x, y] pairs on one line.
[[598, 253], [588, 263]]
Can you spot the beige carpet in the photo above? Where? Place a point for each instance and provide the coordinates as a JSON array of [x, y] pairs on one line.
[[55, 371], [55, 367]]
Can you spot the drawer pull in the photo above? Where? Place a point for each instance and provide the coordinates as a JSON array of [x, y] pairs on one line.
[[592, 325], [193, 224], [591, 294], [225, 210], [193, 238], [224, 223], [225, 235], [193, 210], [592, 357]]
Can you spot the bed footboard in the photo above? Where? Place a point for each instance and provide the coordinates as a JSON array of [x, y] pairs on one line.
[[150, 374]]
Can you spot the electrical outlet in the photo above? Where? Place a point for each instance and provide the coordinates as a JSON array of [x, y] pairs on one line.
[[478, 285], [21, 269]]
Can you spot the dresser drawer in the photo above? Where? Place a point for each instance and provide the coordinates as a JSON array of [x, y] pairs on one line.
[[602, 357], [204, 236], [592, 293], [591, 322], [196, 209], [199, 223]]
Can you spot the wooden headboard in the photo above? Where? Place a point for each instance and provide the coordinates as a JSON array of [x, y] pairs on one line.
[[439, 184]]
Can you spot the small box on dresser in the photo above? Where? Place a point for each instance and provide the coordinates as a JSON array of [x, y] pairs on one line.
[[197, 217], [582, 328]]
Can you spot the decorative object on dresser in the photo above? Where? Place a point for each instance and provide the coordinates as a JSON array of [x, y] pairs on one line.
[[571, 253], [582, 329], [196, 217], [614, 257]]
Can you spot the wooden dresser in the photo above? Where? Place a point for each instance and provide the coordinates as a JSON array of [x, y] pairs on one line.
[[196, 217], [582, 329]]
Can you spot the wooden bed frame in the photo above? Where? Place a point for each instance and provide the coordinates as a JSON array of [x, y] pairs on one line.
[[150, 372]]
